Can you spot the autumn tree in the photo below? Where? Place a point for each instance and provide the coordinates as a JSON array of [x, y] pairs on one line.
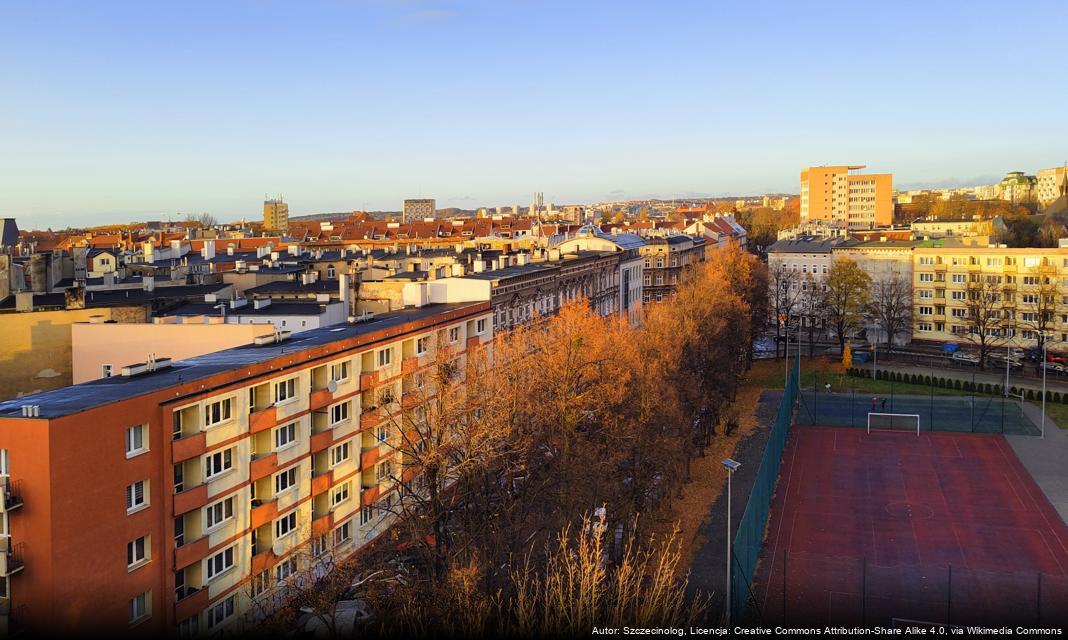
[[890, 306], [848, 289], [786, 299], [986, 320]]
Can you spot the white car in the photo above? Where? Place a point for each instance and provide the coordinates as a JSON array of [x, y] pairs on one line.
[[964, 358]]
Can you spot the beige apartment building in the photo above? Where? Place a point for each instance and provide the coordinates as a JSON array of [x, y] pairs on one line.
[[842, 193], [276, 215], [1050, 182], [1029, 289]]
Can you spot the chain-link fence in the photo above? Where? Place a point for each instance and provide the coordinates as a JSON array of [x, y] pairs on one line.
[[754, 521], [942, 401]]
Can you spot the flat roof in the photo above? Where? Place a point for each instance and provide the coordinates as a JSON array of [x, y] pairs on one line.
[[82, 397]]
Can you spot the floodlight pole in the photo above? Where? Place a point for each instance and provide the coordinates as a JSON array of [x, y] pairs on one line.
[[731, 466], [1008, 354]]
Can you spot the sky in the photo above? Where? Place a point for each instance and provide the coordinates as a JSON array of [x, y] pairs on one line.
[[118, 111]]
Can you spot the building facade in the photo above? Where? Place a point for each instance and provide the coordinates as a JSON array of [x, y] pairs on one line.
[[276, 215], [174, 501], [1048, 184], [418, 209], [862, 201], [665, 262]]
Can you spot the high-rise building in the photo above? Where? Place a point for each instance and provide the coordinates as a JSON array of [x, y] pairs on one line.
[[862, 201], [419, 208], [1049, 184], [276, 215]]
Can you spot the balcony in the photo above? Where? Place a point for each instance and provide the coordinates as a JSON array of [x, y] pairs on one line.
[[370, 418], [373, 455], [370, 495], [320, 398], [263, 465], [322, 482], [11, 496], [473, 342], [191, 552], [322, 441], [193, 602], [263, 419], [191, 498], [189, 446], [322, 523], [263, 512], [368, 380], [11, 558]]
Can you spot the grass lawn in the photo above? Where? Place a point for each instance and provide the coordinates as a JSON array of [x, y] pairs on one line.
[[1056, 413], [771, 374]]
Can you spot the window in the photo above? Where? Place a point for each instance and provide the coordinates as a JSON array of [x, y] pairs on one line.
[[927, 260], [285, 390], [285, 480], [105, 371], [422, 345], [383, 430], [220, 612], [454, 334], [339, 413], [926, 277], [959, 313], [339, 454], [217, 412], [340, 494], [261, 582], [366, 514], [136, 440], [382, 472], [286, 569], [218, 463], [958, 278], [285, 435], [1031, 262], [480, 326], [137, 552], [925, 293], [925, 326], [926, 311], [136, 496], [285, 525], [221, 511], [319, 546], [384, 505], [139, 607], [220, 563], [343, 533], [190, 627], [958, 295], [340, 371]]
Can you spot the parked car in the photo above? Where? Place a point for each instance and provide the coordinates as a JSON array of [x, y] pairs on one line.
[[1053, 356], [1000, 359], [1055, 368], [963, 357], [860, 357], [1018, 353]]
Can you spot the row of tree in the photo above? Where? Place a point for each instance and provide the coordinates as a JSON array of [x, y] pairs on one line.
[[507, 450]]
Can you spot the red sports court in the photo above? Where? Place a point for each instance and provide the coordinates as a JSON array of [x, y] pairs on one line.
[[890, 526]]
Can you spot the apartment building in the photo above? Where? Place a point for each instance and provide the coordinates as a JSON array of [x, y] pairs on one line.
[[173, 498], [418, 209], [862, 201], [276, 215], [665, 261], [1049, 184], [1028, 289]]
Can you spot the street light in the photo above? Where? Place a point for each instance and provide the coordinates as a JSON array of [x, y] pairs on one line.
[[731, 466], [1042, 428]]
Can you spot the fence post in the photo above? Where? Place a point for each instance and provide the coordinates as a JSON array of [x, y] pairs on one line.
[[930, 423], [864, 591], [852, 404], [784, 586], [1038, 598]]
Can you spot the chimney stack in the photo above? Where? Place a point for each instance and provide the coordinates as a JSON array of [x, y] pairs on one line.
[[208, 250], [148, 283]]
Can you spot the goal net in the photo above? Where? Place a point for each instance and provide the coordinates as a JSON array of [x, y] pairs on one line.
[[894, 422]]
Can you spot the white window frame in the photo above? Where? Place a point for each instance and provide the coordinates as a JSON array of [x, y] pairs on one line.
[[226, 563], [384, 357], [224, 507], [343, 533], [335, 451], [142, 613], [228, 403], [340, 494], [132, 506], [289, 386], [480, 326], [346, 370], [291, 483], [141, 430], [289, 521], [289, 429], [226, 462], [133, 561], [105, 370], [226, 607], [341, 407]]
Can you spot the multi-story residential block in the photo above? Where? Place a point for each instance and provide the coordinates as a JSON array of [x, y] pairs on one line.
[[665, 261], [418, 209], [172, 498], [1049, 184], [1017, 187], [1027, 289], [276, 215], [862, 201]]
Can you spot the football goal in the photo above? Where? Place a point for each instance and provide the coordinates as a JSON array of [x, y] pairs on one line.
[[894, 422]]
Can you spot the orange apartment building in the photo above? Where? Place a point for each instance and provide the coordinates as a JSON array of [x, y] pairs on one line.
[[173, 501], [861, 200]]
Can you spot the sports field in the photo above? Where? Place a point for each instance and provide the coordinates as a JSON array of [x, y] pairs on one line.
[[937, 527]]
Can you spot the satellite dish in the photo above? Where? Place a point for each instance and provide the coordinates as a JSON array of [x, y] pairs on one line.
[[331, 386]]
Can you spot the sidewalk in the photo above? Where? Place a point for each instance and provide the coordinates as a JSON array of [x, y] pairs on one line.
[[1046, 459]]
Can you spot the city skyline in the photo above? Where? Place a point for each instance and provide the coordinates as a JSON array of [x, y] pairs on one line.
[[359, 105]]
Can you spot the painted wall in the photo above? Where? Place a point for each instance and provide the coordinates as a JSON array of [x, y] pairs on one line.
[[94, 345], [35, 350]]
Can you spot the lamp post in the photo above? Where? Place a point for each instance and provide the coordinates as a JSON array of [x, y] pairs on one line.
[[731, 466], [1042, 428]]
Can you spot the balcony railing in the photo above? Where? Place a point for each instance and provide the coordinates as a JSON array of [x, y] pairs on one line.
[[11, 495], [11, 560]]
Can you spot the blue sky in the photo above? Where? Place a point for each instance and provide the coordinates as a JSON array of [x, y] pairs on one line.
[[113, 111]]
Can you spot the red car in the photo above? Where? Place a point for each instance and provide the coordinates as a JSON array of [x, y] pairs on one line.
[[1053, 356]]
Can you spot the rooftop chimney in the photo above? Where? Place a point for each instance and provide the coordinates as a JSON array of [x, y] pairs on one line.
[[148, 283], [208, 250], [261, 303]]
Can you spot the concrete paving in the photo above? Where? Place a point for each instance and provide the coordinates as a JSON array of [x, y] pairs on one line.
[[1046, 458]]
